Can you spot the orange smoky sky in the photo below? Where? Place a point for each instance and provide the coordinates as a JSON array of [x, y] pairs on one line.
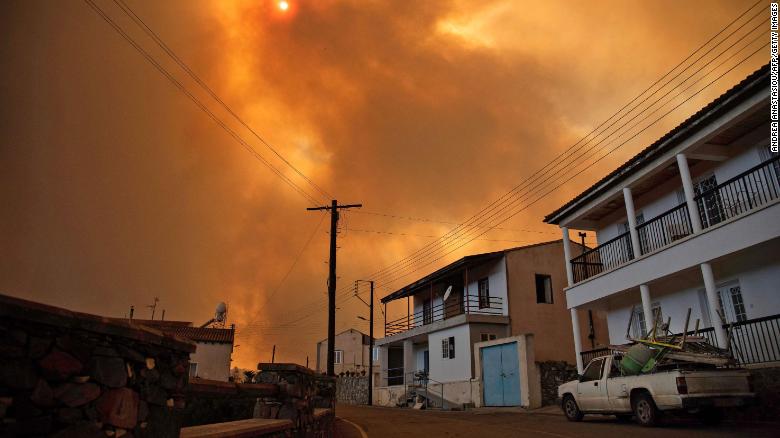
[[115, 188]]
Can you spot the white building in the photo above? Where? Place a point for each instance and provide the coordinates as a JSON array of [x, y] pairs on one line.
[[477, 327], [214, 347], [692, 221]]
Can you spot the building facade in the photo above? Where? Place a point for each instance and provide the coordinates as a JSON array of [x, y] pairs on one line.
[[214, 347], [351, 350], [499, 310], [690, 224]]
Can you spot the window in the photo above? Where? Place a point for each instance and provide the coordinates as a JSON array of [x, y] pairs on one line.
[[448, 348], [484, 293], [732, 306], [639, 326], [544, 289], [193, 369], [593, 371], [338, 356], [487, 337], [376, 354], [427, 312], [709, 201]]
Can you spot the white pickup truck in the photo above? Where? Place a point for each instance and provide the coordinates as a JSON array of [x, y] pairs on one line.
[[601, 389]]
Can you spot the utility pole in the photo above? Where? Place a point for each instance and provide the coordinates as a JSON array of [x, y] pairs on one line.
[[370, 338], [273, 354], [334, 219], [582, 236]]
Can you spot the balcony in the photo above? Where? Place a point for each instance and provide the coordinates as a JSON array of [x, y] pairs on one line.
[[472, 305], [752, 341], [748, 191]]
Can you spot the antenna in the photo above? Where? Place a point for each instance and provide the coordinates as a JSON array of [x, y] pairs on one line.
[[447, 293], [153, 306]]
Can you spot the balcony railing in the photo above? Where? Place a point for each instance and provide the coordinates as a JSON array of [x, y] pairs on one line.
[[752, 341], [745, 192], [473, 304], [664, 229], [604, 257]]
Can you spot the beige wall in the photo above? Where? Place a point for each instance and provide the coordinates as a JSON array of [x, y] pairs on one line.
[[355, 356], [549, 323], [213, 360]]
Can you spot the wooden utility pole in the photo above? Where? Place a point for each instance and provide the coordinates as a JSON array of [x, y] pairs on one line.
[[334, 219], [371, 349], [273, 354]]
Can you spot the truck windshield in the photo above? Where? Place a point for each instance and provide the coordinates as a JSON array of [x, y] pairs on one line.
[[593, 371]]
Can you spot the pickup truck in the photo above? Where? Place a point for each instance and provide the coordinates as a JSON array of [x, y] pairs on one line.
[[602, 389]]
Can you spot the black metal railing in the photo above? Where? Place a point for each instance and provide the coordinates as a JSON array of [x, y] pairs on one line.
[[664, 229], [454, 306], [604, 257], [747, 191], [752, 341]]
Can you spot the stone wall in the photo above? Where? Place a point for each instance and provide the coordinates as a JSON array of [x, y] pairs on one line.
[[551, 375], [212, 401], [69, 374], [301, 392], [352, 390]]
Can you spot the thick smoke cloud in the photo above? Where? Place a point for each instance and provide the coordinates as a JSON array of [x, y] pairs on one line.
[[117, 189]]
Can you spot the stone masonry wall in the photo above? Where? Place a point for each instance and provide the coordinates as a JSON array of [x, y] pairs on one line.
[[211, 401], [552, 374], [352, 390], [68, 374], [301, 394]]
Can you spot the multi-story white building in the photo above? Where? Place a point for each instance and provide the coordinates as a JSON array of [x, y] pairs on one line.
[[692, 221]]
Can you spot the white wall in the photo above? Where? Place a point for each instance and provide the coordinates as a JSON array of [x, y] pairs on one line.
[[213, 360], [458, 368], [494, 271], [496, 275], [756, 274], [651, 205]]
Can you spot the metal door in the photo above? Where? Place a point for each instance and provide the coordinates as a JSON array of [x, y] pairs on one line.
[[501, 375]]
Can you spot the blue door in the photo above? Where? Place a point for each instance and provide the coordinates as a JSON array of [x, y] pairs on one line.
[[501, 375]]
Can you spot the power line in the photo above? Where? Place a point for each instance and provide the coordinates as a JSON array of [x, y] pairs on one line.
[[427, 235], [559, 185], [419, 219], [198, 102], [152, 34], [469, 227]]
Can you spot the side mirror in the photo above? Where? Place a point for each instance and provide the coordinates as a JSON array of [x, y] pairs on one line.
[[580, 377]]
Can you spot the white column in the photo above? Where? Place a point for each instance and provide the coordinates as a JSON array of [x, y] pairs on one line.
[[712, 302], [567, 255], [575, 325], [647, 306], [575, 320], [631, 213], [409, 362], [687, 182]]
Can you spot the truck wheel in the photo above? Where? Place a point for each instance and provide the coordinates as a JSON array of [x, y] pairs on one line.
[[645, 410], [571, 409]]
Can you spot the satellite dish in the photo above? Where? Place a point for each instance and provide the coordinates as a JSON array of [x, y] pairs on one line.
[[447, 293], [220, 312]]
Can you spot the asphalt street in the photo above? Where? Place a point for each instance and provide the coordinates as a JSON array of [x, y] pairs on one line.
[[408, 423]]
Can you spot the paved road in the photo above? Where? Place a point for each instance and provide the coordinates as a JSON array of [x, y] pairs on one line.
[[407, 423]]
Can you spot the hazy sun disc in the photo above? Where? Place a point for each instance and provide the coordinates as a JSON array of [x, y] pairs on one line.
[[284, 5]]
